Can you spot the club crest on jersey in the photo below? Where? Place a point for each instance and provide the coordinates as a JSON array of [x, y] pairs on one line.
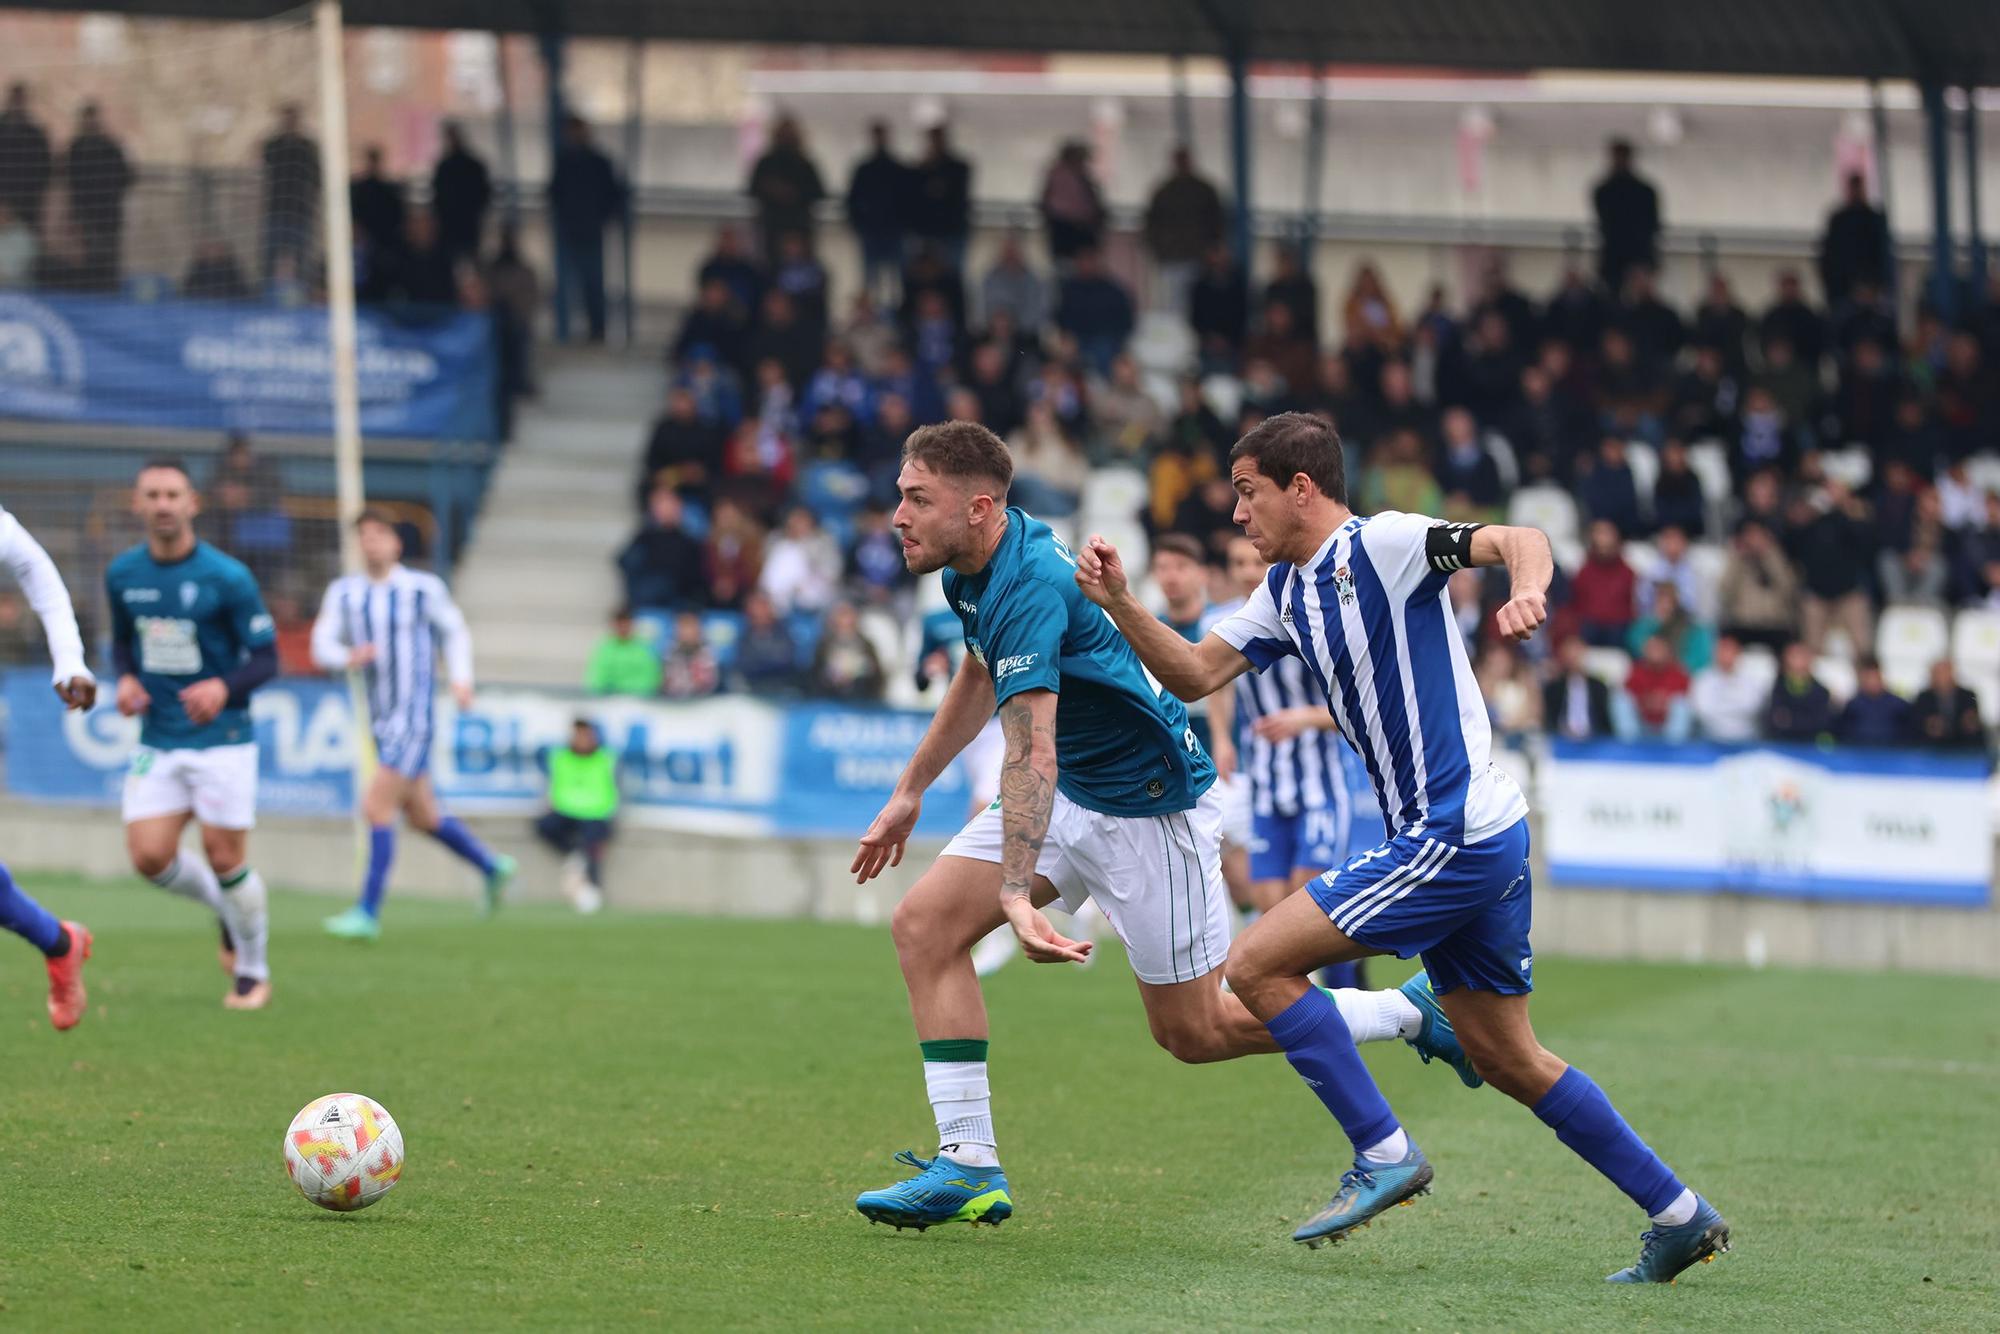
[[190, 590], [1343, 585]]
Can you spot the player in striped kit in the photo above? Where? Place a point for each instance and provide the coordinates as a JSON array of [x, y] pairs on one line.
[[388, 624]]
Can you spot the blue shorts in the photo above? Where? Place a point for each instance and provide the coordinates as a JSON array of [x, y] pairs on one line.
[[406, 751], [1465, 909], [1282, 844]]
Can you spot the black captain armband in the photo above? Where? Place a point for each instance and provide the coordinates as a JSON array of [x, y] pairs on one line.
[[1448, 546]]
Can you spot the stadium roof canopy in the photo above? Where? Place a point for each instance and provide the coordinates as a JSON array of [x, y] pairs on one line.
[[1943, 41]]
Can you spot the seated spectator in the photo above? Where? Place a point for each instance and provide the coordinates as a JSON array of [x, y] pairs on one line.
[[1864, 407], [730, 264], [1678, 500], [1631, 399], [1705, 400], [782, 336], [1468, 608], [1719, 323], [1672, 564], [1514, 701], [1765, 438], [717, 389], [936, 339], [869, 334], [1603, 590], [1012, 286], [1968, 397], [583, 803], [1096, 310], [929, 274], [293, 632], [684, 451], [1945, 715], [767, 657], [876, 572], [1208, 515], [1001, 407], [214, 275], [689, 670], [881, 448], [1547, 428], [801, 565], [1976, 576], [1369, 314], [20, 249], [1219, 311], [733, 556], [1607, 488], [837, 383], [1800, 709], [1049, 466], [1399, 477], [1654, 703], [1194, 451], [1914, 439], [845, 665], [1466, 469], [1836, 548], [623, 663], [1576, 706], [1728, 697], [1126, 418], [1919, 575], [800, 275], [831, 436], [1493, 363], [1280, 343], [920, 394], [1757, 599], [662, 564], [1790, 382], [1668, 618], [1875, 716], [420, 271]]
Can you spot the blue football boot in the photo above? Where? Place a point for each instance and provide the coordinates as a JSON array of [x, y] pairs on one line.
[[1436, 1041], [1365, 1191], [942, 1191], [1668, 1250]]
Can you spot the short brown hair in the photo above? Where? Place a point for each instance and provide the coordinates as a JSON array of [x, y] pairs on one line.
[[376, 514], [964, 450], [1290, 443], [1180, 544]]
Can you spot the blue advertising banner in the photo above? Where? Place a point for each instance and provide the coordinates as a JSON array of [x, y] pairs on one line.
[[214, 365]]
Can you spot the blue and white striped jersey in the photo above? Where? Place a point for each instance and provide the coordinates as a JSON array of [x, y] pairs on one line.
[[1307, 772], [407, 617], [1369, 619]]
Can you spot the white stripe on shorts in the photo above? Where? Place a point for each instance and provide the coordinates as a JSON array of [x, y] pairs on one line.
[[1427, 855]]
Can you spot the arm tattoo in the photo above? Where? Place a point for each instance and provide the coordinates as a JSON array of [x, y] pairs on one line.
[[1027, 796]]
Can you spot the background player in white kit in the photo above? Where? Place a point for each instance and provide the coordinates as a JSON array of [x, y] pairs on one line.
[[388, 623]]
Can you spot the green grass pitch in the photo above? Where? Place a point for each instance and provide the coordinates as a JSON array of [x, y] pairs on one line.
[[654, 1121]]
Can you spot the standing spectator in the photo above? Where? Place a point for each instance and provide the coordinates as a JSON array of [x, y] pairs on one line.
[[878, 209], [622, 663], [1072, 210], [19, 250], [1836, 549], [419, 271], [941, 209], [1096, 310], [1603, 591], [1875, 716], [583, 802], [1667, 617], [376, 203], [786, 187], [461, 192], [662, 563], [845, 665], [802, 565], [517, 296], [1654, 702], [1855, 245], [1757, 599], [1183, 219], [767, 657], [291, 197], [26, 163], [1576, 706], [1628, 219], [1012, 287], [1800, 710], [1219, 311], [585, 195], [1946, 714], [212, 275], [1728, 698], [689, 670], [97, 177]]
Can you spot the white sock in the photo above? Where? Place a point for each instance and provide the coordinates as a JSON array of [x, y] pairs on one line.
[[1394, 1149], [190, 878], [245, 911], [963, 1105], [1679, 1212], [1376, 1016]]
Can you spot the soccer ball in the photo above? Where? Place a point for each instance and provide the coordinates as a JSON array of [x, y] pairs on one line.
[[344, 1151]]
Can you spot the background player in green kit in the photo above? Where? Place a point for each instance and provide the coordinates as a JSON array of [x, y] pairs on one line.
[[190, 640]]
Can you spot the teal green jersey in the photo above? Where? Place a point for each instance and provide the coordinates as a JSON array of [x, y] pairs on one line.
[[182, 622], [1192, 631], [1123, 746]]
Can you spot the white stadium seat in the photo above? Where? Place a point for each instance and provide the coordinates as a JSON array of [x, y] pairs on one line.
[[1983, 471], [1645, 464], [1113, 494], [1762, 663], [1850, 466], [1709, 460], [1908, 640], [1975, 656], [1224, 394], [1549, 508], [1707, 559], [1609, 665], [1837, 674]]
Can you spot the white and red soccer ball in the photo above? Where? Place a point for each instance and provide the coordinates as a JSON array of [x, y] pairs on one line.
[[344, 1151]]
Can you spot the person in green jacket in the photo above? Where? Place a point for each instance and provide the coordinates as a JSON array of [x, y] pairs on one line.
[[583, 802], [622, 663]]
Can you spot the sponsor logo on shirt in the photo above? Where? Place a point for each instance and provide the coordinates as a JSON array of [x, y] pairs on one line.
[[969, 608], [1020, 662]]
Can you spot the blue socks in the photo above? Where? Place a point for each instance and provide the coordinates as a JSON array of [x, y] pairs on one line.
[[27, 918], [1584, 1119], [381, 855], [460, 840], [1320, 1048]]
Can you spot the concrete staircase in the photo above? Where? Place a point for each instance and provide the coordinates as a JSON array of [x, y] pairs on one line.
[[537, 580]]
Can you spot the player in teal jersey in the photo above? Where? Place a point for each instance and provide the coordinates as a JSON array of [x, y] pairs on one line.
[[1105, 794], [190, 640]]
